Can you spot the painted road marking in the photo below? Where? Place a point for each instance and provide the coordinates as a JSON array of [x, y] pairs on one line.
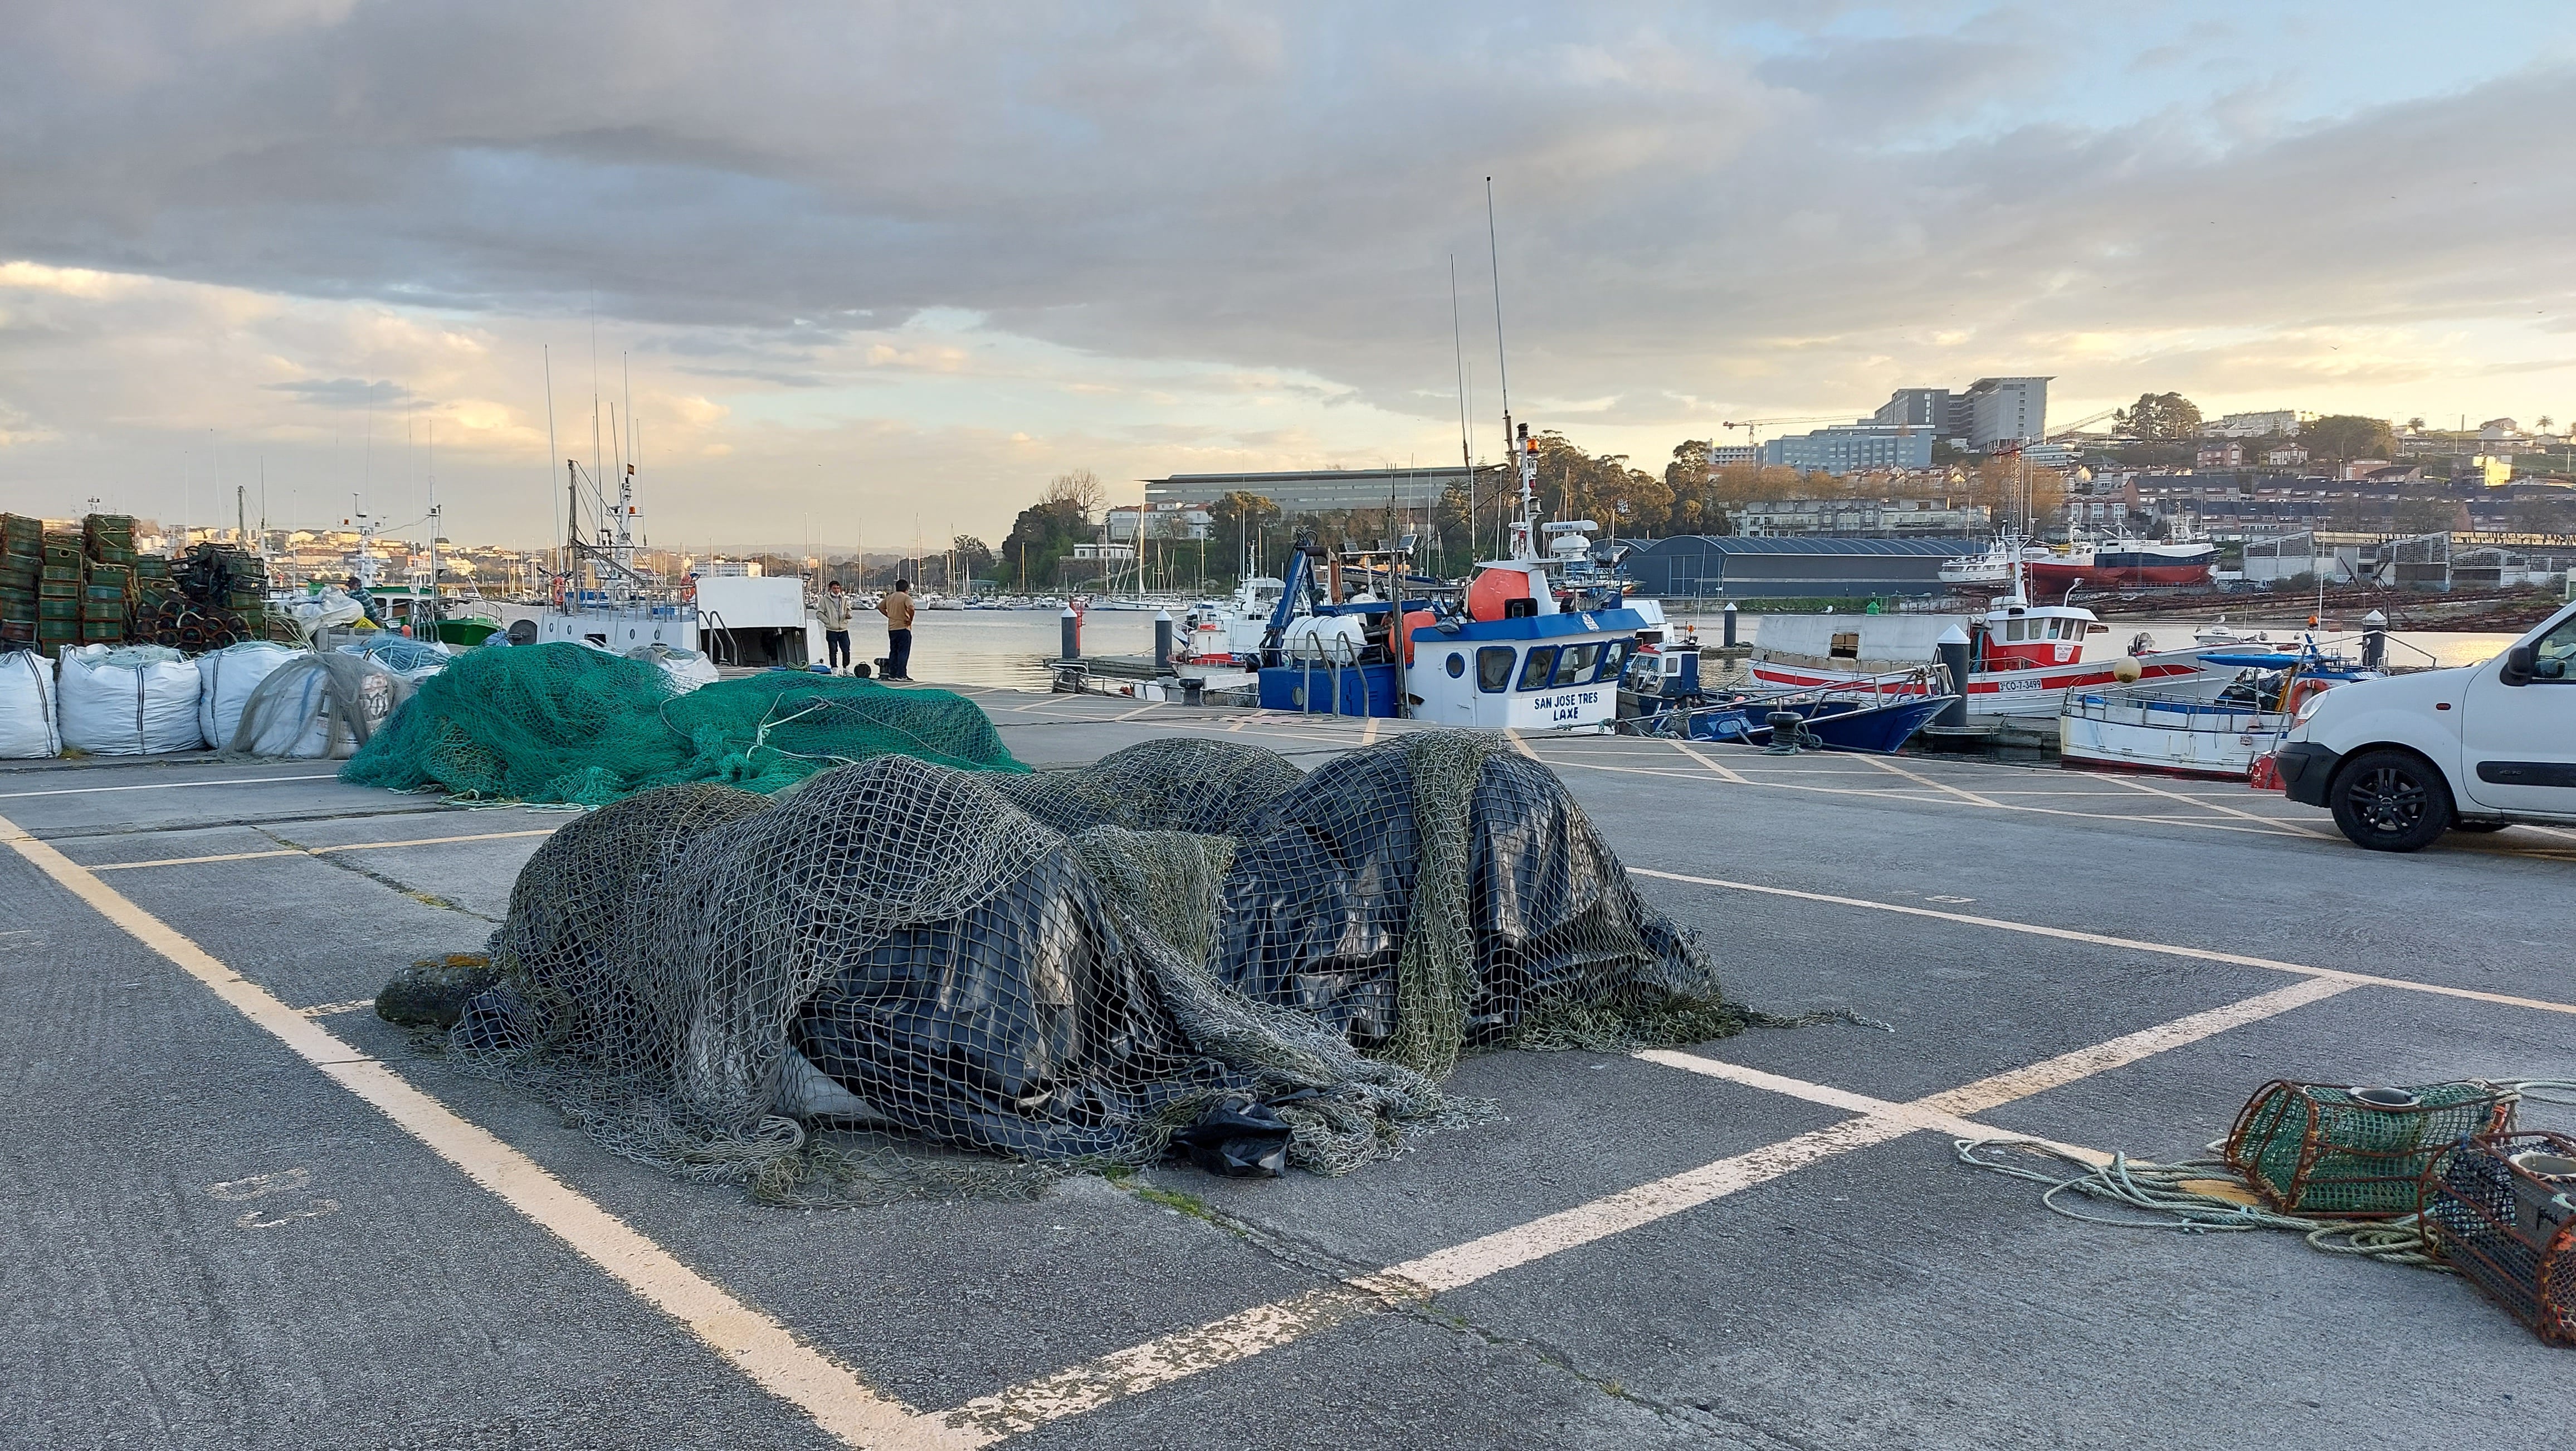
[[1894, 769], [1720, 771], [166, 786], [245, 856], [1248, 1333], [2098, 939], [2210, 805], [752, 1341]]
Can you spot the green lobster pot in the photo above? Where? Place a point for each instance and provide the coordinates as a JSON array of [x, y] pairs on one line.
[[2325, 1151]]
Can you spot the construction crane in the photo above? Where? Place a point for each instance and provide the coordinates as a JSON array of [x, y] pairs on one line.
[[1750, 425], [2079, 425]]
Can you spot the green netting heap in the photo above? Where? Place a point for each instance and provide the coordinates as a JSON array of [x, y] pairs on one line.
[[563, 723]]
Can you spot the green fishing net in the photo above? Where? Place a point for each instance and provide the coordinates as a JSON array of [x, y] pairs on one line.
[[563, 723]]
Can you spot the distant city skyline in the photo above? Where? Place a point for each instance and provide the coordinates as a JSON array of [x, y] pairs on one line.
[[867, 281]]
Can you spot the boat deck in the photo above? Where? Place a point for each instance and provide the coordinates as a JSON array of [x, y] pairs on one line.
[[248, 1214]]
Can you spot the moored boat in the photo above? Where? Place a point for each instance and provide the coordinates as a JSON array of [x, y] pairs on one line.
[[2223, 736]]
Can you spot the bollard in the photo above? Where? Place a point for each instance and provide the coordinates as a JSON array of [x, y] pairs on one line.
[[1953, 646], [2374, 641], [1162, 642], [1069, 634], [1730, 624]]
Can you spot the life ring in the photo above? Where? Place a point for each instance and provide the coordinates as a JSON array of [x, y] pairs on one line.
[[688, 591], [558, 592]]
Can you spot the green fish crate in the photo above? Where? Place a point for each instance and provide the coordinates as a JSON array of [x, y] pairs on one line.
[[63, 573], [2323, 1151], [97, 593], [58, 609], [2501, 1209], [58, 589], [99, 633], [100, 612]]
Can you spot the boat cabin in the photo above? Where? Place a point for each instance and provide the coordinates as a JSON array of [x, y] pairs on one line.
[[2018, 636]]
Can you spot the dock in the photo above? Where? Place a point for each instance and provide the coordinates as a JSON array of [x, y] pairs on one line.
[[250, 1213]]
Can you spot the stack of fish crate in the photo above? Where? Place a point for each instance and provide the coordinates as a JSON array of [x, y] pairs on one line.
[[22, 568], [107, 578]]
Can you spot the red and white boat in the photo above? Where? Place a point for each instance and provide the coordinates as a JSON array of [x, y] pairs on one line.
[[2022, 658], [2122, 563]]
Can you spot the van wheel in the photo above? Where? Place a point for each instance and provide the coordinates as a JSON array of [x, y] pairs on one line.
[[2391, 801]]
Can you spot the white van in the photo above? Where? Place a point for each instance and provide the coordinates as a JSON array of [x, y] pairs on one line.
[[2400, 761]]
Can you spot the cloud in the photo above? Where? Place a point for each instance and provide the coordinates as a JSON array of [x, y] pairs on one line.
[[346, 393], [1161, 230]]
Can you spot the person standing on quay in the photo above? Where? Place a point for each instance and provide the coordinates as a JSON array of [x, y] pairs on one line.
[[897, 608], [833, 609]]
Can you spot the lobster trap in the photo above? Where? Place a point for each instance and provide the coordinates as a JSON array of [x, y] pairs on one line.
[[2501, 1209], [2326, 1152]]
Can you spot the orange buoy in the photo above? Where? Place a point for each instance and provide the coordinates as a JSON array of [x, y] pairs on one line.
[[1491, 591]]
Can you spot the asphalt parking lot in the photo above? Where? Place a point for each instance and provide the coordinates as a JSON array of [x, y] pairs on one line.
[[248, 1214]]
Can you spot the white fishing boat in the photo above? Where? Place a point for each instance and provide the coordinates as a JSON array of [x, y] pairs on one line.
[[2143, 727]]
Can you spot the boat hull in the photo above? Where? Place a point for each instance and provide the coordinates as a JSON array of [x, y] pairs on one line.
[[2038, 691], [2180, 737], [2052, 579]]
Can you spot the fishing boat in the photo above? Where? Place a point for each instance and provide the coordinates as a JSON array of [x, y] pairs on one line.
[[1995, 566], [2121, 563], [606, 600], [2022, 658], [2143, 728], [1521, 650]]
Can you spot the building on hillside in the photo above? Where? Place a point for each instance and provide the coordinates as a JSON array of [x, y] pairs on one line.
[[1987, 412], [2276, 423], [1328, 491], [1733, 455], [2288, 453], [1858, 518], [1711, 567], [1851, 447], [2001, 410], [2221, 454], [1173, 520], [2053, 455]]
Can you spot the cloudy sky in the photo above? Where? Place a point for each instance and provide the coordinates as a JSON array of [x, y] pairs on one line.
[[871, 270]]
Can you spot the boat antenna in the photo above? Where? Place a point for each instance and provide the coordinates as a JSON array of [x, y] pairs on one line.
[[1502, 359], [546, 351], [1466, 459]]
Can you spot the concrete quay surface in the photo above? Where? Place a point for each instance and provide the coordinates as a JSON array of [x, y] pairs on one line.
[[245, 1214]]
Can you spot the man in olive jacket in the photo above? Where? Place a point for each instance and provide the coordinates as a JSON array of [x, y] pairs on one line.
[[897, 608]]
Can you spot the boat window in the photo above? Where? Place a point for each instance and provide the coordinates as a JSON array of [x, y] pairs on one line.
[[1457, 664], [1494, 668], [1613, 656], [1574, 664], [1542, 662], [2056, 629], [2012, 631]]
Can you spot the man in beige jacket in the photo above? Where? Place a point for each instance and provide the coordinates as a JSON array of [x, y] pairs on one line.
[[833, 611], [897, 608]]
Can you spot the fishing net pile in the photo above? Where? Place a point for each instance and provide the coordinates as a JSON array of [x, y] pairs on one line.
[[1189, 946], [562, 723]]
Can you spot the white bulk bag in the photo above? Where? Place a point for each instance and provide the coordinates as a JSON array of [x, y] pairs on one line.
[[687, 669], [27, 728], [229, 676], [128, 700], [318, 707]]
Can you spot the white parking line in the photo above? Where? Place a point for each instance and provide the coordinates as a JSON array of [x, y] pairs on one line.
[[752, 1341], [2098, 939], [1248, 1333], [247, 856], [165, 786]]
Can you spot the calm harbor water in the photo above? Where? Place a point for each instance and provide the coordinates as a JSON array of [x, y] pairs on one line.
[[1004, 647]]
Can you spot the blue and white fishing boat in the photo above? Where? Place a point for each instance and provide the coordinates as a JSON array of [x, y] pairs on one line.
[[2143, 728], [1536, 644]]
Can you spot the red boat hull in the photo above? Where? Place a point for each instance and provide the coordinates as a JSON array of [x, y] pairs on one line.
[[2051, 579]]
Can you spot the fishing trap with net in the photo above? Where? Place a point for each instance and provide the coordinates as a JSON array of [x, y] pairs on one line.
[[2501, 1209], [1189, 946], [2328, 1152]]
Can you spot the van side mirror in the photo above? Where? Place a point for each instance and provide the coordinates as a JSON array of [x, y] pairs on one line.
[[2518, 664]]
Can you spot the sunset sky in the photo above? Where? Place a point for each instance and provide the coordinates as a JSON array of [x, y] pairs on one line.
[[876, 270]]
